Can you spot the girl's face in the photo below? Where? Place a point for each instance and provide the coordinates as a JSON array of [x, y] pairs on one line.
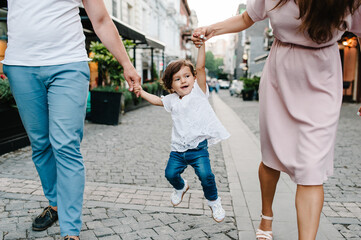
[[183, 81]]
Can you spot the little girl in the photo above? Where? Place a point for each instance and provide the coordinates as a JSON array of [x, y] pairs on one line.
[[195, 126]]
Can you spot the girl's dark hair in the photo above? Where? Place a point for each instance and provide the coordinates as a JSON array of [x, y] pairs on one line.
[[172, 69], [321, 17]]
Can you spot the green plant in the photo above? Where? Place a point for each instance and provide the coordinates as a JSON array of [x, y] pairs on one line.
[[251, 83], [110, 71], [155, 73], [5, 92]]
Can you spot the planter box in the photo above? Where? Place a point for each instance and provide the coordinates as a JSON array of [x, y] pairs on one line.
[[12, 133], [105, 107], [247, 95]]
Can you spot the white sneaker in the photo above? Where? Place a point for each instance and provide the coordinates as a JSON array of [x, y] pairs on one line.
[[218, 212], [177, 195]]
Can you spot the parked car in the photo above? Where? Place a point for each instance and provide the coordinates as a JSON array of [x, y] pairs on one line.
[[224, 84], [236, 88]]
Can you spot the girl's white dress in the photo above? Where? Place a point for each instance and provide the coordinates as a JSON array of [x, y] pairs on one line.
[[193, 120]]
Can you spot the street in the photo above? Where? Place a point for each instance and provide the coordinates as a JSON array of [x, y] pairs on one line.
[[128, 197]]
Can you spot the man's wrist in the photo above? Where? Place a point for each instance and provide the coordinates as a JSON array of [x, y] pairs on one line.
[[127, 66]]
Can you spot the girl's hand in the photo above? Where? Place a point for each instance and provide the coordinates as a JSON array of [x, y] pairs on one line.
[[201, 35], [137, 90]]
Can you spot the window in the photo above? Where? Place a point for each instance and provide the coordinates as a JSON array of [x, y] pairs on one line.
[[115, 8], [130, 14]]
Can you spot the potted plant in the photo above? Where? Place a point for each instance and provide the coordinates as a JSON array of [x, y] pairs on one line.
[[250, 88], [12, 132], [107, 97]]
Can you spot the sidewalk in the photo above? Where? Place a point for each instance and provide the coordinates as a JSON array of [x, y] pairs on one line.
[[127, 195], [242, 157]]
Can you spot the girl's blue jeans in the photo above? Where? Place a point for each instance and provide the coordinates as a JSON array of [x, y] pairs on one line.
[[52, 104], [198, 158]]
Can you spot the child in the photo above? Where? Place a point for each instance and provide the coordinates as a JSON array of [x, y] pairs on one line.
[[195, 126]]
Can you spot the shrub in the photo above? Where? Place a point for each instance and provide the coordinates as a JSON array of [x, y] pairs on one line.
[[5, 92]]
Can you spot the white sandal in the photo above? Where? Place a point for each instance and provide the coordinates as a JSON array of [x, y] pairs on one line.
[[264, 234]]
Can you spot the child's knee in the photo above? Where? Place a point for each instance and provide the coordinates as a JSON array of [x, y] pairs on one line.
[[170, 174], [206, 177]]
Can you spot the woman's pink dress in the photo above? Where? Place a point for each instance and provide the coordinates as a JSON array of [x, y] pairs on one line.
[[300, 95]]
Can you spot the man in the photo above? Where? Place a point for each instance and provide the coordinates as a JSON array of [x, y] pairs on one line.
[[46, 63]]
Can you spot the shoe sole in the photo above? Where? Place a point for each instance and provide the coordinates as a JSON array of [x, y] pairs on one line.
[[44, 228], [174, 205], [218, 221]]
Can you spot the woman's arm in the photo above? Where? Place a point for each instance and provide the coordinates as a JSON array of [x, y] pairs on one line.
[[201, 68], [108, 34], [231, 25]]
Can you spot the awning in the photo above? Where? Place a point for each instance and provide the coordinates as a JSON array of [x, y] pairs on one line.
[[155, 43], [126, 31]]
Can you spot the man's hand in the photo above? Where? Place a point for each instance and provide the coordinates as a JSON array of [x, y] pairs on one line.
[[132, 77]]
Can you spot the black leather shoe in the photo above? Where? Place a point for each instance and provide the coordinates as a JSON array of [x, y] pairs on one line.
[[45, 220]]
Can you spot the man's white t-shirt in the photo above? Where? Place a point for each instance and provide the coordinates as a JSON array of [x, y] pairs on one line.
[[44, 32], [193, 120]]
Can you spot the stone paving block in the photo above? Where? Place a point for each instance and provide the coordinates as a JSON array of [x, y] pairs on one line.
[[36, 234], [129, 236], [54, 230], [14, 235], [143, 217], [144, 225], [103, 231], [164, 237], [164, 230], [219, 236], [88, 235], [110, 222], [128, 220], [94, 225], [147, 233], [120, 229], [180, 226], [110, 238]]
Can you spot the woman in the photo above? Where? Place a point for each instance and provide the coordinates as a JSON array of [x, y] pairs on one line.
[[300, 97]]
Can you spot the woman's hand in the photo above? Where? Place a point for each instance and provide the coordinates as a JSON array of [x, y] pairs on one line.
[[201, 34]]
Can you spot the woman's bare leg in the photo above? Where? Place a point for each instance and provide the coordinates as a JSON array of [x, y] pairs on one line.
[[309, 203], [268, 178]]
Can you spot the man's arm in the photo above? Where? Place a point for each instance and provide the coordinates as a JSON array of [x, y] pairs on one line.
[[201, 68], [108, 34]]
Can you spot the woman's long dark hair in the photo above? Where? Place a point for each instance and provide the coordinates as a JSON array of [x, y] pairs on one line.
[[321, 17]]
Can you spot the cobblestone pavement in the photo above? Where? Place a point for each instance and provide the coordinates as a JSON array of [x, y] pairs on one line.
[[126, 195], [342, 191]]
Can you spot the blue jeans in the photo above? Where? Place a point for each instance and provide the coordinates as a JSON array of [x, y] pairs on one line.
[[198, 158], [52, 104]]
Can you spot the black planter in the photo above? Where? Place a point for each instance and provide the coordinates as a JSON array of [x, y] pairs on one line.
[[247, 94], [12, 133], [105, 107]]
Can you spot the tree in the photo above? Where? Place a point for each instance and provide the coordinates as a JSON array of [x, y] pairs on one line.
[[213, 65]]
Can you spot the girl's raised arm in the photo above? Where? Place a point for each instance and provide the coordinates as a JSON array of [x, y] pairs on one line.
[[201, 68]]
